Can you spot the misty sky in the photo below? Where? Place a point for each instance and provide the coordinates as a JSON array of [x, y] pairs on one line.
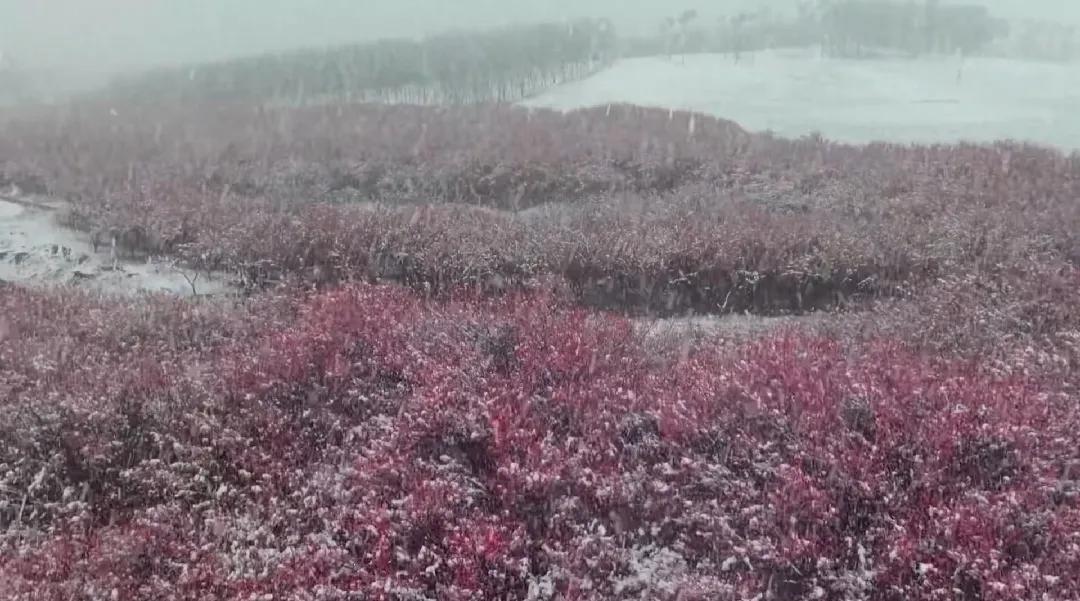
[[98, 36]]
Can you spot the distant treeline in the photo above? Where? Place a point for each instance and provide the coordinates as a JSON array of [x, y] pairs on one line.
[[842, 28], [691, 33], [501, 65], [856, 27], [1040, 40], [512, 63]]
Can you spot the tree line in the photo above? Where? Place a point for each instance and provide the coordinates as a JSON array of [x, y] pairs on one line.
[[856, 28], [842, 28], [1040, 40], [515, 62], [506, 64]]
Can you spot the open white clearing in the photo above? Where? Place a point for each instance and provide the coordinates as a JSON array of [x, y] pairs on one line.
[[797, 92], [36, 250]]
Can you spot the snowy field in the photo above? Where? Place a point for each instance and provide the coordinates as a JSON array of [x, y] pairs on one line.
[[796, 92]]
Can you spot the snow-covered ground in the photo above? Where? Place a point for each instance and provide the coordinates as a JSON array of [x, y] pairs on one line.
[[36, 250], [796, 92]]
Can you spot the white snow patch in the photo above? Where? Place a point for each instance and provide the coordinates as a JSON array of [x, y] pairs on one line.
[[9, 210], [36, 250], [797, 92], [653, 572]]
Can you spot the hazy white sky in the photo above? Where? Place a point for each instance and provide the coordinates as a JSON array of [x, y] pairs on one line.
[[95, 36]]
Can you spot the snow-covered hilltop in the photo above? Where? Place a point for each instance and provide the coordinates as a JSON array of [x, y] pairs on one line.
[[797, 92]]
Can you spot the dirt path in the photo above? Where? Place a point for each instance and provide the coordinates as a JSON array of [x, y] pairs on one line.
[[36, 250]]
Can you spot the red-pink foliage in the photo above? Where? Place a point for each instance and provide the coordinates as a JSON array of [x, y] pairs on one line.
[[367, 443]]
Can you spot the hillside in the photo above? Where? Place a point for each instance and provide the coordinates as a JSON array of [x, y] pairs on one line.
[[796, 92]]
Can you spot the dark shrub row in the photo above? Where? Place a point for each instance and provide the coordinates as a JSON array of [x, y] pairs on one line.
[[638, 209]]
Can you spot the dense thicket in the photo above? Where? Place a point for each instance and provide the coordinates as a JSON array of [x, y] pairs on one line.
[[635, 209], [363, 443], [500, 65]]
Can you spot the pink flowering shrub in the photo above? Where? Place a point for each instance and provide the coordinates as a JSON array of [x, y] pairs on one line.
[[365, 443]]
